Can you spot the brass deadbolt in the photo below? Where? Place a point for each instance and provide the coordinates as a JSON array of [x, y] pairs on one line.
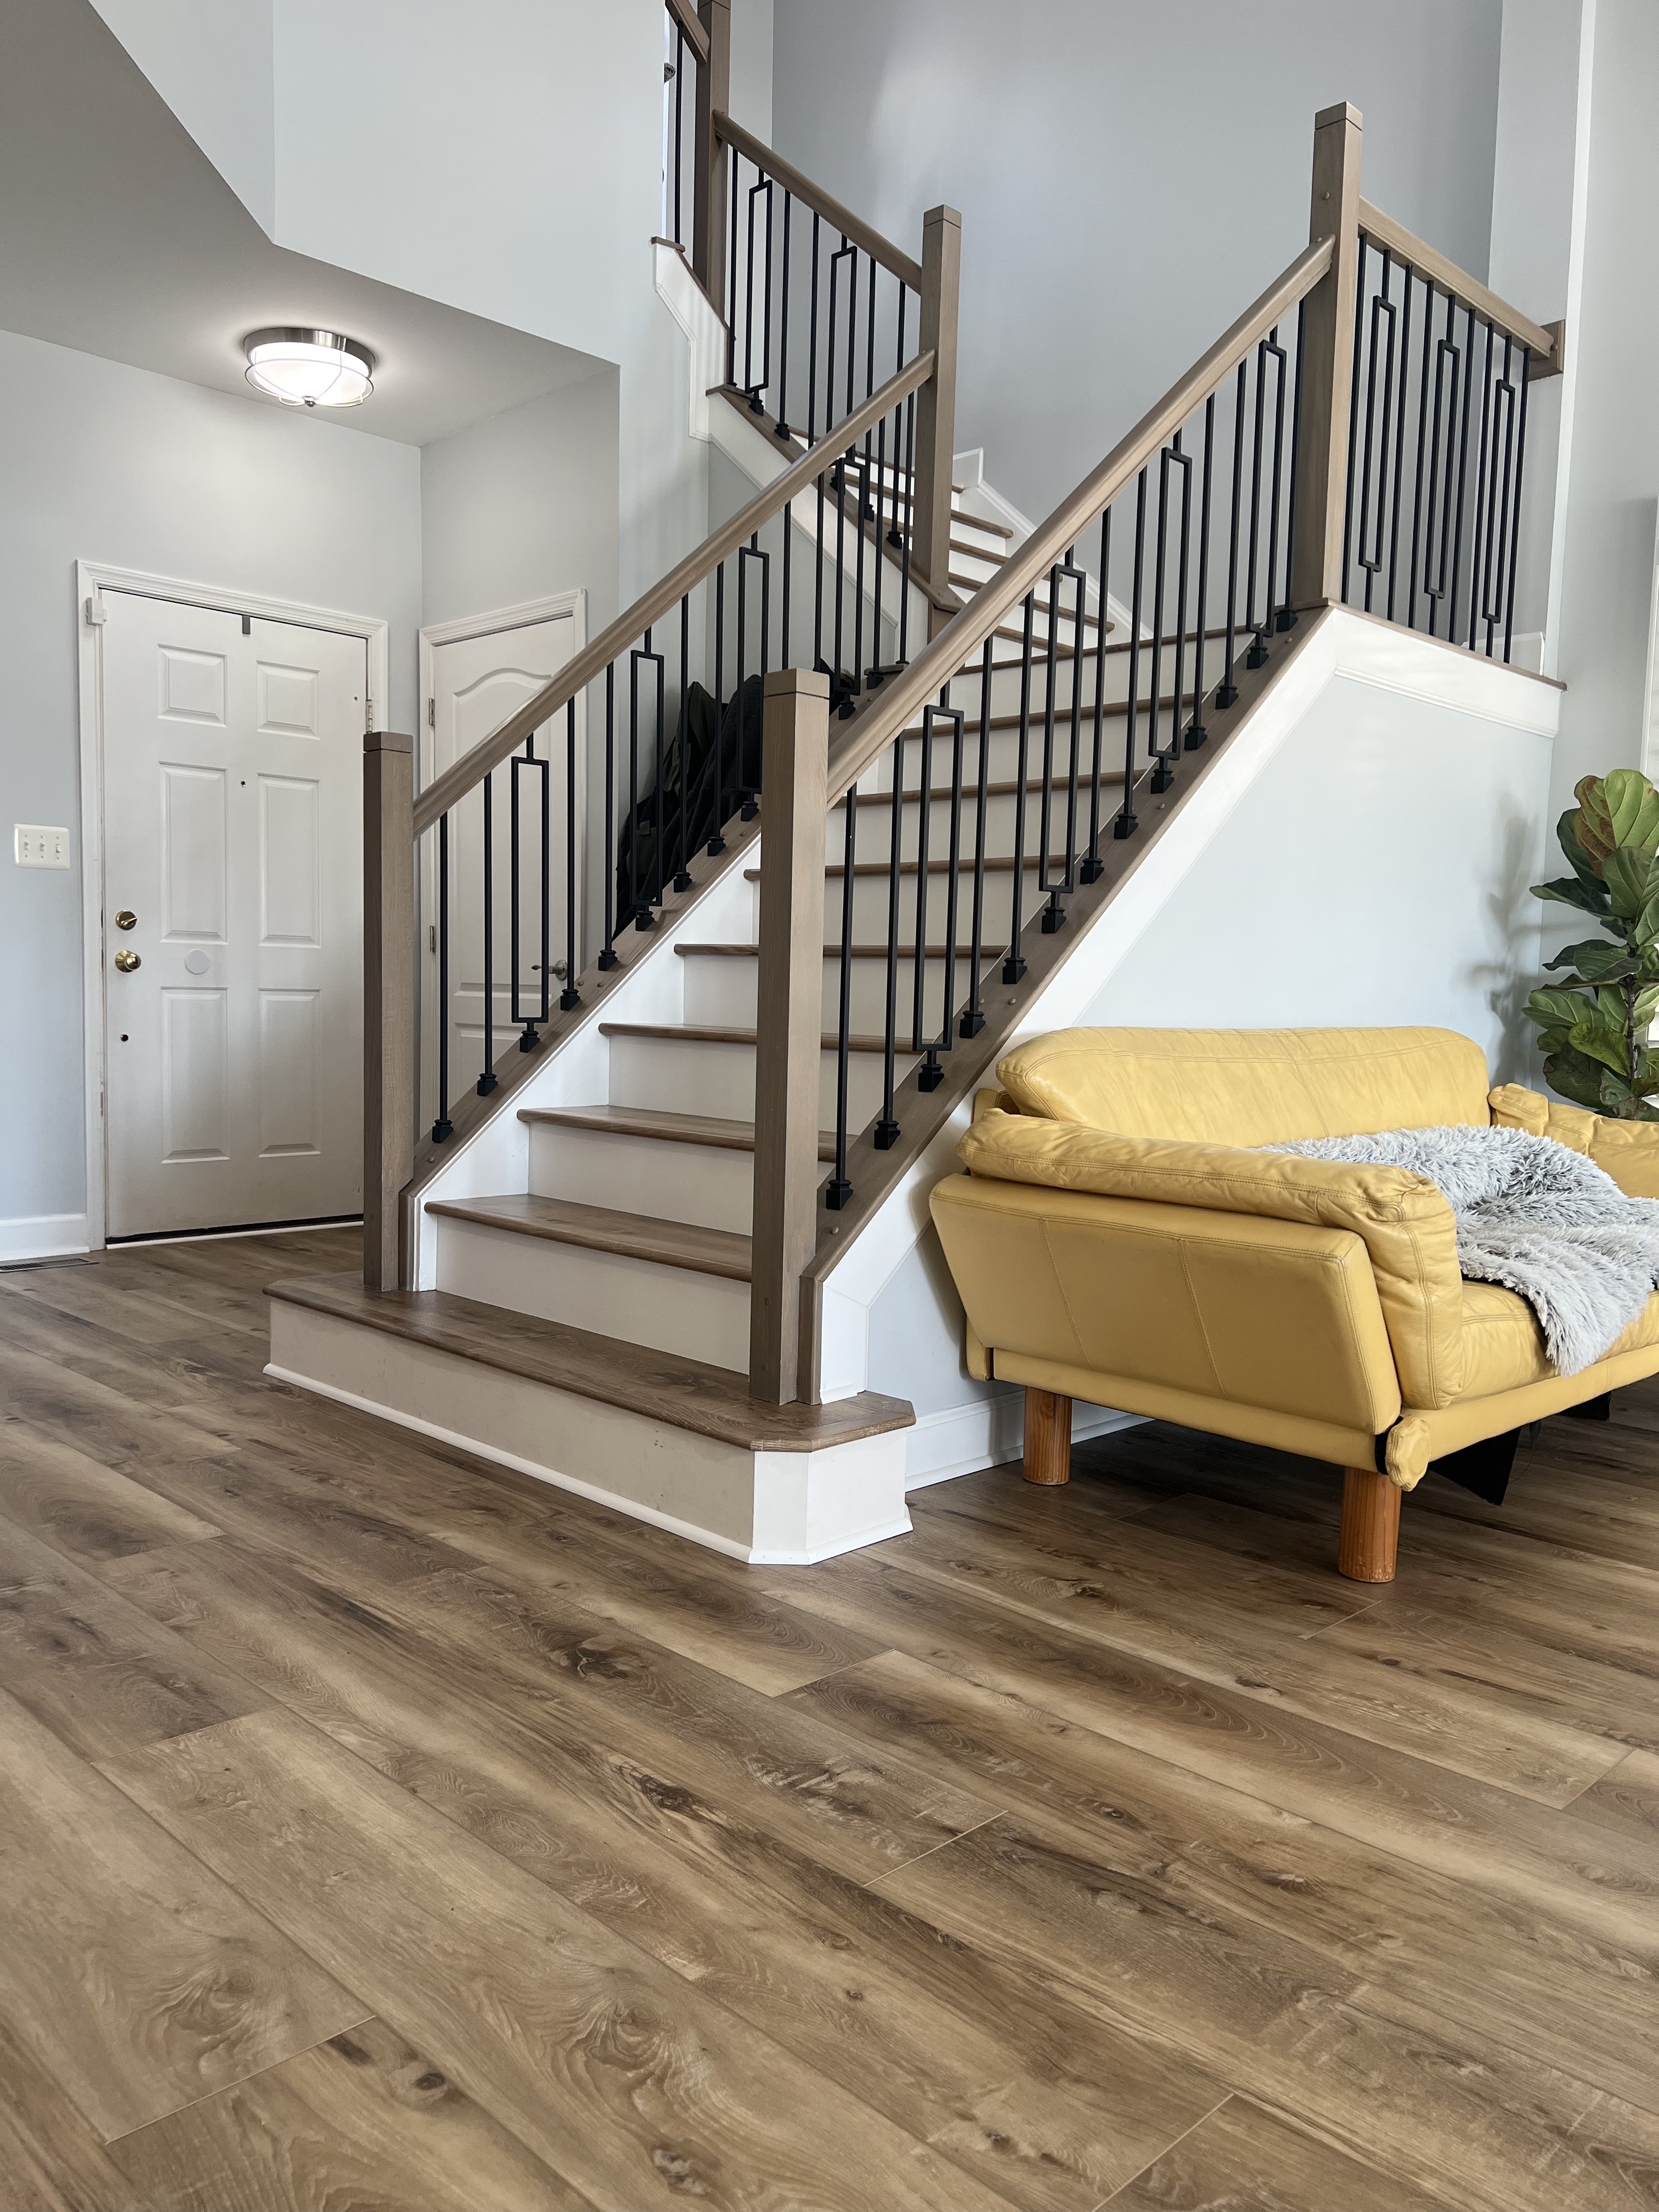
[[126, 919], [126, 961]]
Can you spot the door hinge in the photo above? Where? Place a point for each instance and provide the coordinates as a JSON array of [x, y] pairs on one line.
[[432, 936], [432, 713], [97, 613]]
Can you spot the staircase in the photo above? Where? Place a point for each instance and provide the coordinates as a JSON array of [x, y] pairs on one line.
[[607, 1264]]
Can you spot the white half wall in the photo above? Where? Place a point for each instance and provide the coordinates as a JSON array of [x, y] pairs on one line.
[[1360, 855]]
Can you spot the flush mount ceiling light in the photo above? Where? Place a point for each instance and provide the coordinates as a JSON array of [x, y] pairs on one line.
[[309, 369]]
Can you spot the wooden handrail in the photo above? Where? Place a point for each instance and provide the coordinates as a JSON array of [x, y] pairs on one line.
[[903, 695], [851, 226], [685, 19], [1383, 230], [577, 674]]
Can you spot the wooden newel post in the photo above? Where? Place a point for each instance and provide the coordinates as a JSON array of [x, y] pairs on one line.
[[388, 1000], [1322, 459], [936, 402], [789, 1023], [708, 188]]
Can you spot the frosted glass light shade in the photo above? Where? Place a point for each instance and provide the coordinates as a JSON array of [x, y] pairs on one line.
[[309, 369]]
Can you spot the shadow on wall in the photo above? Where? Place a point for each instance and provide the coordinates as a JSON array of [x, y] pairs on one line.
[[1516, 918]]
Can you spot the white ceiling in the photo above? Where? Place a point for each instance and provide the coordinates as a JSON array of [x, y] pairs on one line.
[[120, 238]]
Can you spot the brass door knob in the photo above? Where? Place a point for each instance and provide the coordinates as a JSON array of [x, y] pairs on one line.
[[126, 919], [126, 961]]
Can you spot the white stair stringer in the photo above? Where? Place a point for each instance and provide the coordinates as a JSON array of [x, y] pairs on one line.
[[1359, 854]]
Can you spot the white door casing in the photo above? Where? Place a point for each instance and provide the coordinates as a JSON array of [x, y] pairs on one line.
[[231, 816], [474, 673]]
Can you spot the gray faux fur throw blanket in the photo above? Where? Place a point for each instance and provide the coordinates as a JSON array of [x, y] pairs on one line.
[[1540, 1220]]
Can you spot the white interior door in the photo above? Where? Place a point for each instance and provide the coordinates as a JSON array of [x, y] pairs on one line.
[[232, 918], [474, 682]]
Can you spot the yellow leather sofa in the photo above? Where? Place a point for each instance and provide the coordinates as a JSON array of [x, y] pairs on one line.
[[1117, 1238]]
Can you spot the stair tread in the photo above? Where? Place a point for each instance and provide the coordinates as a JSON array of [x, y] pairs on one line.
[[684, 1394], [964, 867], [830, 953], [667, 1129], [706, 1033], [1061, 782], [606, 1229]]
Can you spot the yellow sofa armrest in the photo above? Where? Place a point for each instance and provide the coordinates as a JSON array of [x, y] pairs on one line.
[[1406, 1227], [1627, 1150], [1282, 1316]]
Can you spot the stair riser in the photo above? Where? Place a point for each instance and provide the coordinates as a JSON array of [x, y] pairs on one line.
[[702, 1184], [699, 1316], [1006, 684], [697, 1077], [875, 824], [722, 991], [870, 908]]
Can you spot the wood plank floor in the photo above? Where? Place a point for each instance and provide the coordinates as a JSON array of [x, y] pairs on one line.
[[383, 1832]]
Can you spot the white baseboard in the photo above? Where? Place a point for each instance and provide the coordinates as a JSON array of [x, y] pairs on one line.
[[43, 1237], [987, 1432]]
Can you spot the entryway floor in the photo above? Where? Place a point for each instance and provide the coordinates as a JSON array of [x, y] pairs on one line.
[[380, 1829]]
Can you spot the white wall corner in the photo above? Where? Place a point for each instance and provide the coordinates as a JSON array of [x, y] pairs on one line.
[[705, 333]]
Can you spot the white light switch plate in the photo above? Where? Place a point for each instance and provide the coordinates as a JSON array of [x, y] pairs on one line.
[[42, 848]]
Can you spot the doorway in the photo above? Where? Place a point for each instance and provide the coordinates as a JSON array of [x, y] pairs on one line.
[[474, 673], [228, 827]]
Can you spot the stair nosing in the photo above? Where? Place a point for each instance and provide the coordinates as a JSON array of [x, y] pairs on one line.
[[671, 1129], [707, 1033], [731, 1256]]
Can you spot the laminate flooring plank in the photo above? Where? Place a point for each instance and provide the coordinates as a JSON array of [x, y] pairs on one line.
[[138, 1980], [1590, 1877], [81, 1349], [365, 2120], [1514, 1972], [50, 2159], [1053, 2109], [1484, 2128], [1626, 1799], [1484, 1737], [840, 1800], [720, 1620], [82, 1507], [1244, 2160], [621, 2076]]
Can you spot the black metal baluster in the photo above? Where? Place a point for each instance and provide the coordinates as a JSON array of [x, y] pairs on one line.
[[487, 1074], [1353, 411], [1441, 466], [1488, 440], [812, 353], [1162, 765], [1422, 450], [1196, 731], [1286, 618], [528, 1037], [885, 1134], [1227, 689], [683, 873], [443, 1126], [924, 837], [838, 1189], [1080, 585], [1272, 349], [896, 535], [1462, 470], [1515, 512], [753, 550], [680, 116], [717, 841], [1399, 438], [1014, 966], [856, 466], [732, 265], [909, 518], [1497, 505], [608, 958], [1258, 653], [931, 1074], [1370, 555], [1093, 866], [570, 996], [545, 768], [783, 332], [973, 1020], [1128, 822]]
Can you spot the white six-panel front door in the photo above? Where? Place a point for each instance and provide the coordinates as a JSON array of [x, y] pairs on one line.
[[233, 917]]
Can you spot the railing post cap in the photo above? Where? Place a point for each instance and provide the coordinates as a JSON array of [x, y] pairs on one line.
[[386, 741], [811, 683], [1344, 112], [941, 213]]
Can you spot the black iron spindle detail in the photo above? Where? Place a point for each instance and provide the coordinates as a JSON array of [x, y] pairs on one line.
[[1014, 966], [1463, 472], [1449, 378], [1062, 572], [973, 1020], [547, 891], [1353, 413], [487, 1073], [896, 535], [683, 873], [1269, 349], [930, 1075], [1477, 545], [1515, 510], [1093, 866], [1227, 689], [753, 551], [1422, 450], [1128, 822], [754, 387], [529, 1036], [679, 127], [1196, 731], [1400, 439], [1377, 445], [838, 1189], [643, 899], [924, 838], [783, 332], [1286, 618], [717, 840], [570, 996], [443, 1126], [1494, 593], [1164, 763], [885, 1134], [608, 956]]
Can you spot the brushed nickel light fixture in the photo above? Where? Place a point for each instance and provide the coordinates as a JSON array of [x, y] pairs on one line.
[[309, 369]]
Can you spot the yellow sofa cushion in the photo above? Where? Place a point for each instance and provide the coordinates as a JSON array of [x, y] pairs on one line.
[[1250, 1086], [1627, 1150], [1409, 1232], [1503, 1345]]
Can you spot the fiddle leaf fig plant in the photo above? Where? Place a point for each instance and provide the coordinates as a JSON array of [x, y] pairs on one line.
[[1594, 1020]]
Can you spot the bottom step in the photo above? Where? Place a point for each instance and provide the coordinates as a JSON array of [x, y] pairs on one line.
[[674, 1442]]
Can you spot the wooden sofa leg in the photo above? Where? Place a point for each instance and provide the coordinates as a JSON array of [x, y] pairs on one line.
[[1371, 1526], [1048, 1437]]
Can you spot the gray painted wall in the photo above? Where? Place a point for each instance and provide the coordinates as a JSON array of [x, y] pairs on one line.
[[105, 463], [1129, 177]]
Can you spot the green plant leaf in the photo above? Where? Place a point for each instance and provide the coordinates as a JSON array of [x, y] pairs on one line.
[[1566, 832], [1599, 1040], [1629, 875], [1596, 961], [1569, 890], [1594, 821], [1575, 1078], [1560, 1008], [1647, 1004], [1612, 1007], [1634, 806]]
